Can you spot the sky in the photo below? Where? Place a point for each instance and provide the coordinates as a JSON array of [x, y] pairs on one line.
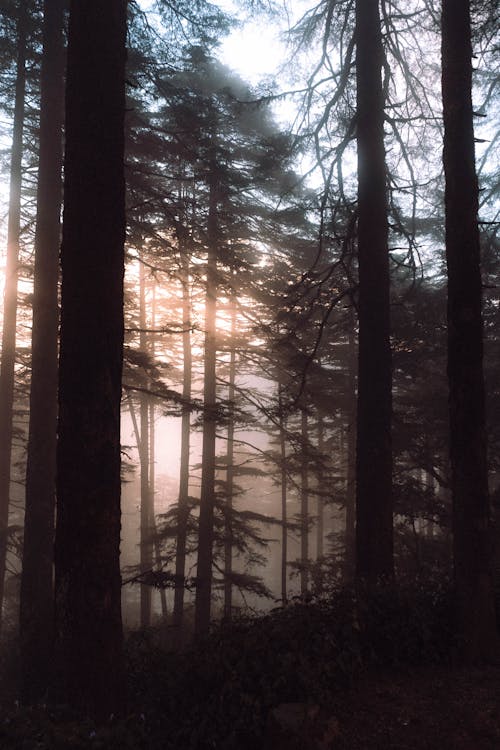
[[255, 50]]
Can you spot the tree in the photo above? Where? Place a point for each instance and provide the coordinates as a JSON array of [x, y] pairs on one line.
[[207, 499], [374, 545], [87, 583], [10, 293], [469, 472], [36, 612]]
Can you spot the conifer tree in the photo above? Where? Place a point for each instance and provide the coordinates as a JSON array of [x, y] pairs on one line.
[[88, 585]]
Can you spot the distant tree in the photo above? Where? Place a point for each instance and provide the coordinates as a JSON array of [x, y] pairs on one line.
[[36, 613], [469, 472], [88, 586]]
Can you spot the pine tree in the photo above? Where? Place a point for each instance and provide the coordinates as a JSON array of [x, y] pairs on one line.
[[469, 471], [88, 586]]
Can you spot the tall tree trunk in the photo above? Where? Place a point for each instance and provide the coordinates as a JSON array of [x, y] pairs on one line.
[[180, 559], [228, 532], [284, 519], [469, 472], [304, 505], [350, 508], [152, 464], [87, 545], [207, 499], [10, 294], [36, 611], [146, 557], [374, 532], [320, 529]]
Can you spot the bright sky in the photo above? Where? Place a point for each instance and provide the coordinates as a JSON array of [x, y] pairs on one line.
[[255, 51]]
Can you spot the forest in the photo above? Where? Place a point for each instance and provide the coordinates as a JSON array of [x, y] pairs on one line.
[[249, 393]]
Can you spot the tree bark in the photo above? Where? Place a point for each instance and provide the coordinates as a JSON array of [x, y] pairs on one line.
[[320, 529], [304, 505], [10, 294], [36, 610], [146, 556], [284, 518], [228, 532], [469, 472], [180, 559], [350, 509], [374, 532], [87, 583], [152, 465], [207, 499]]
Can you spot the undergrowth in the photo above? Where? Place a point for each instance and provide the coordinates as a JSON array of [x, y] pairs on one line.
[[219, 692]]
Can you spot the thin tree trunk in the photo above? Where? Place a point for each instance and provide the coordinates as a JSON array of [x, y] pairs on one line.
[[10, 295], [36, 610], [320, 529], [180, 559], [146, 557], [469, 472], [152, 464], [350, 509], [207, 499], [284, 518], [87, 544], [304, 506], [374, 530], [228, 544]]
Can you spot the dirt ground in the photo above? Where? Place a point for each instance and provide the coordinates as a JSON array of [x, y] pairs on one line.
[[431, 709]]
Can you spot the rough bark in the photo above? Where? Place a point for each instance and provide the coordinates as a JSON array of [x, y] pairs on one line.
[[207, 498], [374, 533], [469, 472], [36, 610], [10, 294], [87, 582]]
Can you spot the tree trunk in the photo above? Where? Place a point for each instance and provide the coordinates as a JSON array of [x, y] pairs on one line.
[[152, 464], [146, 557], [36, 610], [350, 508], [87, 583], [180, 559], [207, 499], [469, 473], [284, 519], [320, 529], [10, 295], [374, 533], [304, 506], [228, 532]]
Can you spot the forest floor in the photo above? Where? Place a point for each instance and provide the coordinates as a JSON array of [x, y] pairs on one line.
[[432, 708]]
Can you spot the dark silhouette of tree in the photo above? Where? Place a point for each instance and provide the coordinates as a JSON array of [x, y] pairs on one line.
[[374, 546], [36, 612], [10, 294], [469, 472], [88, 587], [145, 545], [207, 498]]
